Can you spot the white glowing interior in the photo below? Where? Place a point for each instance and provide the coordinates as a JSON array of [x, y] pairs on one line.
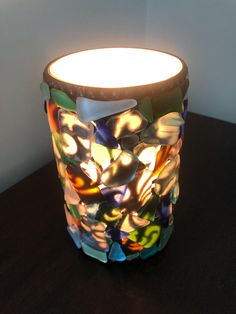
[[115, 67]]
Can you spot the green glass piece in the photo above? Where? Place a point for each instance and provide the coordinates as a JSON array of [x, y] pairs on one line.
[[102, 154], [170, 101], [58, 143], [146, 253], [174, 195], [145, 107], [74, 211], [99, 255], [148, 211], [44, 88], [147, 236], [164, 237], [62, 100], [132, 256]]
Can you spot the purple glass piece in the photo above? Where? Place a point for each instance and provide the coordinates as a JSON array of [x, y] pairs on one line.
[[117, 234], [104, 136], [115, 194]]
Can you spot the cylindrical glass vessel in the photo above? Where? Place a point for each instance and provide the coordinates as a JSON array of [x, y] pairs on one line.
[[117, 121]]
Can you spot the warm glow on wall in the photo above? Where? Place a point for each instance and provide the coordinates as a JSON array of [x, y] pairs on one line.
[[115, 67]]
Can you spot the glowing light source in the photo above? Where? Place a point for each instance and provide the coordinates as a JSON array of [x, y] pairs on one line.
[[117, 120], [115, 67]]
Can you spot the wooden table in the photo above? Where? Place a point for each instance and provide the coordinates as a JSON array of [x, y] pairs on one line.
[[42, 271]]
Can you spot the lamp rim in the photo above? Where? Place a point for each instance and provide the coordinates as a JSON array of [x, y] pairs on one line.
[[76, 90]]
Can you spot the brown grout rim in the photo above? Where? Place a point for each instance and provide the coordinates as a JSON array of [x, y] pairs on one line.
[[137, 92]]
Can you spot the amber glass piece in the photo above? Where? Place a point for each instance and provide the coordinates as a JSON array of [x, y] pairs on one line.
[[127, 123], [85, 187]]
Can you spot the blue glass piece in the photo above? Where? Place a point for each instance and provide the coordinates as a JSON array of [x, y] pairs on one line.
[[75, 235], [184, 116], [99, 255], [165, 206], [117, 234], [146, 253], [116, 254], [87, 238], [115, 194], [104, 136]]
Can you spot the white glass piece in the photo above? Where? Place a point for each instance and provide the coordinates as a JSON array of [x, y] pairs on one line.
[[89, 109], [164, 130]]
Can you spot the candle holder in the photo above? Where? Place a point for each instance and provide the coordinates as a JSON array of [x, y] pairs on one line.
[[117, 121]]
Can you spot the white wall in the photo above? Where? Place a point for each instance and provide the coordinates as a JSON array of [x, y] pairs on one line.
[[203, 32], [31, 34]]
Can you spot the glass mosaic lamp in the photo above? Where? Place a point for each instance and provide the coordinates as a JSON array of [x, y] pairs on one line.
[[117, 121]]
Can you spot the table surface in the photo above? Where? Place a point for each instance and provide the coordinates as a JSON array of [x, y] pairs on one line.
[[42, 271]]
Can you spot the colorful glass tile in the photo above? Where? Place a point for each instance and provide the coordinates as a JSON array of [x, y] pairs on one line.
[[165, 130], [76, 136], [116, 254], [121, 171], [132, 221], [146, 236], [127, 123], [99, 255], [116, 234], [115, 194], [148, 211], [90, 109], [75, 235], [132, 256], [146, 253], [52, 111], [104, 136], [118, 162], [86, 188], [70, 196], [170, 101], [93, 233], [63, 100], [74, 210], [129, 142], [103, 155], [145, 107], [165, 235], [175, 192], [131, 247], [108, 213], [167, 177], [45, 91]]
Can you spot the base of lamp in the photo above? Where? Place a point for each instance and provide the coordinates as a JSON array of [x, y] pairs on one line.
[[118, 251]]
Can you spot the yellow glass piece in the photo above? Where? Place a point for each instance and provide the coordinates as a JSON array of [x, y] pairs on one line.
[[103, 155]]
